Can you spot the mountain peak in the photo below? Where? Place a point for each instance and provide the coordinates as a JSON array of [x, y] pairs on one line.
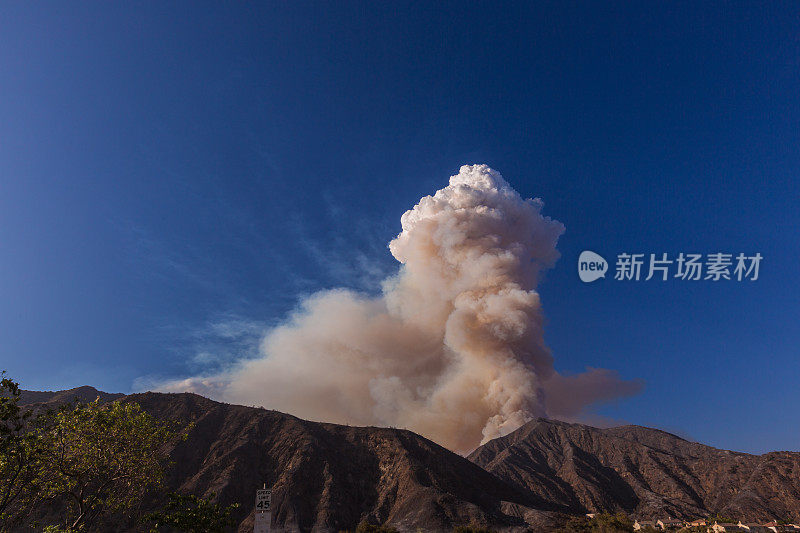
[[646, 472], [332, 477], [85, 393]]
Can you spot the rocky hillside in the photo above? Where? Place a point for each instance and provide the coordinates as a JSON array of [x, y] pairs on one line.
[[328, 477], [645, 472]]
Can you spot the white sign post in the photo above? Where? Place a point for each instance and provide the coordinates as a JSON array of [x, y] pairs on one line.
[[263, 508]]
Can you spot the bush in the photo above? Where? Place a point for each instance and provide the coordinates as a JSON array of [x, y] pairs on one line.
[[190, 514]]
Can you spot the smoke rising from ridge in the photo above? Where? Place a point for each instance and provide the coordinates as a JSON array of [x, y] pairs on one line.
[[453, 348]]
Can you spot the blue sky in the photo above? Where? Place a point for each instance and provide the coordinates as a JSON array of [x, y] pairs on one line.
[[175, 176]]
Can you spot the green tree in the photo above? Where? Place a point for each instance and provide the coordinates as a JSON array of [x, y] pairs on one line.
[[191, 514], [19, 454], [601, 523], [101, 459]]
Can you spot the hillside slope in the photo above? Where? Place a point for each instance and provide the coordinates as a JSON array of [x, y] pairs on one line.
[[645, 472], [328, 477], [331, 477]]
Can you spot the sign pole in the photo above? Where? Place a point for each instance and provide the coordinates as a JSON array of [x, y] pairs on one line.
[[263, 510]]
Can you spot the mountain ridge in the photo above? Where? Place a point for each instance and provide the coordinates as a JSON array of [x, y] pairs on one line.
[[327, 477], [330, 477], [645, 472], [84, 393]]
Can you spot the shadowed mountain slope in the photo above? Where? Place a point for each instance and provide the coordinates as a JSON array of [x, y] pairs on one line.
[[331, 477], [327, 477], [645, 472]]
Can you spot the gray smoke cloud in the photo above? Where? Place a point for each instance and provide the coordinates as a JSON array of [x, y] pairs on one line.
[[452, 348]]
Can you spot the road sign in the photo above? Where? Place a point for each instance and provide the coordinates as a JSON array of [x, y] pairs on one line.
[[263, 500], [263, 514]]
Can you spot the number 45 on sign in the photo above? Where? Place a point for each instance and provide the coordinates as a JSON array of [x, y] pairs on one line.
[[263, 500]]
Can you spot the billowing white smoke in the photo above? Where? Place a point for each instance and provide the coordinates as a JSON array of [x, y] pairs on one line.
[[452, 349]]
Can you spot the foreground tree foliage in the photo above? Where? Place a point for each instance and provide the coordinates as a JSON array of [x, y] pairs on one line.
[[100, 459], [86, 462], [20, 451], [191, 514]]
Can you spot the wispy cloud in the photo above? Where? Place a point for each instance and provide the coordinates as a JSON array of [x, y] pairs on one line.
[[352, 253], [211, 348]]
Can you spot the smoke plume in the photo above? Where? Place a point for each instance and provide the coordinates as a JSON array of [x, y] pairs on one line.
[[453, 348]]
